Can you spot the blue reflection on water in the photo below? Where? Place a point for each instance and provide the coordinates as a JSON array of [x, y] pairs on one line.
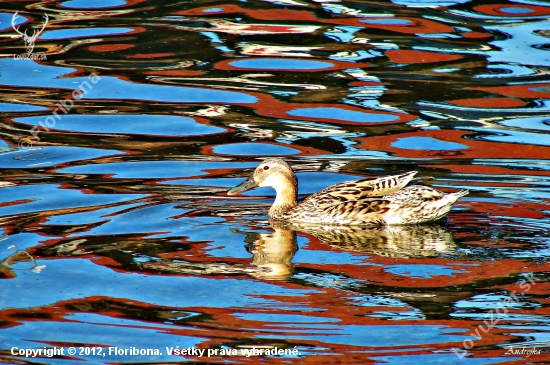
[[82, 33], [13, 243], [426, 144], [422, 271], [288, 318], [50, 156], [342, 114], [320, 257], [377, 336], [108, 87], [164, 224], [154, 169], [212, 10], [512, 136], [95, 216], [429, 3], [150, 124], [97, 4], [114, 88], [516, 10], [137, 334], [155, 290], [281, 64], [50, 196], [442, 358], [256, 149], [10, 107], [6, 19]]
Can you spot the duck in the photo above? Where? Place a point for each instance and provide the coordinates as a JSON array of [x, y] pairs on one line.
[[380, 201]]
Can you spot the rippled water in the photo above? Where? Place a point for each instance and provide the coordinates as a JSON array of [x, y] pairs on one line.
[[122, 133]]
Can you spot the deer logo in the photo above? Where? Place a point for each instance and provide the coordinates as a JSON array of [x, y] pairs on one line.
[[29, 40]]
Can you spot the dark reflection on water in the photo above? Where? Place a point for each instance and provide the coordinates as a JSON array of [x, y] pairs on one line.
[[122, 133]]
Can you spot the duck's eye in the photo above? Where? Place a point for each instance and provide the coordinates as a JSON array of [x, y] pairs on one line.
[[266, 167]]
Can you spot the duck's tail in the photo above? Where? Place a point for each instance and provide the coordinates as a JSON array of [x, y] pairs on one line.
[[459, 194], [446, 203]]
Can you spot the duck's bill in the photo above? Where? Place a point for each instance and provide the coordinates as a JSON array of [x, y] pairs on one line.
[[246, 185]]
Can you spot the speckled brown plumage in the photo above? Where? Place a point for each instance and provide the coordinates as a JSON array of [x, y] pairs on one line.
[[370, 202]]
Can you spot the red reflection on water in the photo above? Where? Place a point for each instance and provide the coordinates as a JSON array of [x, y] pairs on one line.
[[513, 10], [183, 73], [110, 47], [477, 35], [152, 55], [526, 209], [264, 14], [271, 107], [413, 56], [489, 102], [406, 25], [476, 148], [531, 91], [486, 170], [409, 26]]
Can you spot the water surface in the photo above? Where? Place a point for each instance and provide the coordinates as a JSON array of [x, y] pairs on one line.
[[130, 120]]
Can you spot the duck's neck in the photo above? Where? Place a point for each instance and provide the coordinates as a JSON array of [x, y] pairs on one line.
[[286, 200]]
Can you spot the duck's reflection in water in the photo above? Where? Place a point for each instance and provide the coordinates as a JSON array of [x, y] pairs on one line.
[[394, 241], [273, 252]]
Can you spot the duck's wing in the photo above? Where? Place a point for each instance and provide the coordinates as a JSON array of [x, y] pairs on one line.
[[360, 189], [411, 205], [368, 211]]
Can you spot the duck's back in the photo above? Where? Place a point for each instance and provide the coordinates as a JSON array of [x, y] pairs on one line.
[[359, 189], [350, 202], [375, 202]]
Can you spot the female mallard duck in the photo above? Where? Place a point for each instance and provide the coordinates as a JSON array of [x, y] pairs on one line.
[[385, 200]]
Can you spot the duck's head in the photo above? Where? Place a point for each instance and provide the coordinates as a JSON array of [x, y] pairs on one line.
[[273, 172]]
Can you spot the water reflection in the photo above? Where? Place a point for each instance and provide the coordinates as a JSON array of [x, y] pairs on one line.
[[115, 220], [427, 240], [128, 124], [273, 252], [19, 260]]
